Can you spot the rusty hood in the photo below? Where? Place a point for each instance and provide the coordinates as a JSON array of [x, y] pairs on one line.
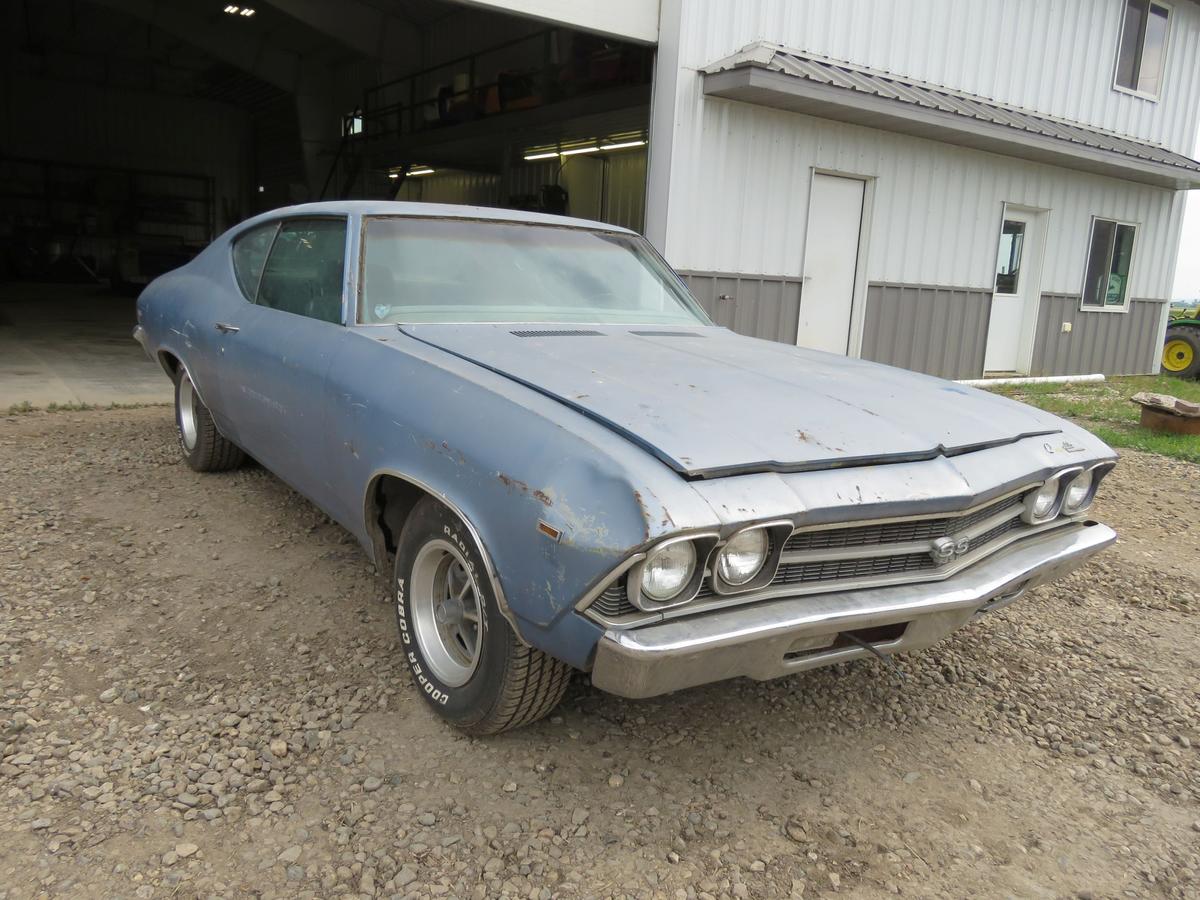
[[709, 402]]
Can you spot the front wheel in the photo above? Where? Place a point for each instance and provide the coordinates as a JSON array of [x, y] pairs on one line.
[[464, 656], [1181, 352], [204, 448]]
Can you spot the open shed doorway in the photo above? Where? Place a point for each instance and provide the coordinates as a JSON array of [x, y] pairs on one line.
[[505, 111]]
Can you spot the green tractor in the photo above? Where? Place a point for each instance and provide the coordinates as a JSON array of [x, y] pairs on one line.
[[1181, 349]]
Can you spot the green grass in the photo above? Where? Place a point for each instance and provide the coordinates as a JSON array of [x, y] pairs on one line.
[[25, 407], [1104, 409]]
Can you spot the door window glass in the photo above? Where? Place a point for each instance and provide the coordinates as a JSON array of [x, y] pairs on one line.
[[1008, 260], [1110, 256], [304, 272], [249, 254]]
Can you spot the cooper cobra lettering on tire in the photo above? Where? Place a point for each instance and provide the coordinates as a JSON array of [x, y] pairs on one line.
[[463, 655]]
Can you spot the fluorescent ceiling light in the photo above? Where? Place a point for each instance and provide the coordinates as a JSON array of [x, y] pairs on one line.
[[536, 153], [232, 9], [247, 11], [622, 145], [393, 174], [424, 170]]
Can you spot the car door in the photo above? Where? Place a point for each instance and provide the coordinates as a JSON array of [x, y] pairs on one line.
[[218, 328], [276, 353]]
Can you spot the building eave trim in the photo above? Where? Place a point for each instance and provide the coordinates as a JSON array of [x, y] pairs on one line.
[[764, 87]]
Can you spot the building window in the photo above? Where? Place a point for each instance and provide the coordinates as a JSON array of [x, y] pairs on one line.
[[352, 123], [1143, 47], [1008, 261], [1106, 276]]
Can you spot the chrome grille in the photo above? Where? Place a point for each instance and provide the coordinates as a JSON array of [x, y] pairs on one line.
[[896, 532], [613, 602], [835, 562]]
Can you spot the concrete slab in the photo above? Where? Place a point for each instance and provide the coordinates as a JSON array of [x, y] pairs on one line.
[[69, 344]]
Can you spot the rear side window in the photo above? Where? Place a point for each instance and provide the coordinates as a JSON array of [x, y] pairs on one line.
[[303, 274], [249, 255]]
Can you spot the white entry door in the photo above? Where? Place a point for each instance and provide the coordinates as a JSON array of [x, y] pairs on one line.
[[1018, 264], [830, 262]]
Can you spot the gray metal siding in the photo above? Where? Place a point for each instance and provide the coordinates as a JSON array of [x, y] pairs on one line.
[[938, 330], [1113, 343], [760, 306]]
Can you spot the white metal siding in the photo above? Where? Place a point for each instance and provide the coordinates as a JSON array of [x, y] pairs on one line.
[[1052, 57], [464, 188], [739, 200], [625, 194]]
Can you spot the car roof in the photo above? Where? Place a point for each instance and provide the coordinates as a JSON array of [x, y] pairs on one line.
[[440, 210]]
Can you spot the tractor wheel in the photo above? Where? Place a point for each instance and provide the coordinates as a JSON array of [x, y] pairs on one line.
[[1181, 352]]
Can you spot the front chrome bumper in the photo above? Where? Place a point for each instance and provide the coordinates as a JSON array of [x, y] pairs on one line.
[[770, 639], [139, 335]]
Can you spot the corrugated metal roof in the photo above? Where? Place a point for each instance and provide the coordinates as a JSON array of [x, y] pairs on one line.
[[838, 74]]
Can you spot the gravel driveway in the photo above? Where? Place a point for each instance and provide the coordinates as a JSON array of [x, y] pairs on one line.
[[200, 695]]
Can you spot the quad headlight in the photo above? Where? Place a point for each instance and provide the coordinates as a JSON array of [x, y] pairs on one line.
[[1079, 493], [1068, 493], [1041, 503], [668, 571], [743, 557]]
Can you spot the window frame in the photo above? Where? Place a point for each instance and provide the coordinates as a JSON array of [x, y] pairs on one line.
[[1136, 92], [1087, 261], [356, 316], [347, 266], [235, 240], [1004, 220]]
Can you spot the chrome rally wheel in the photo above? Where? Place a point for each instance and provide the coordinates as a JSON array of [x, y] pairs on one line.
[[189, 426], [446, 612]]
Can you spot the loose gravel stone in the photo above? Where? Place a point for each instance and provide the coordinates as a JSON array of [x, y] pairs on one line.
[[209, 662]]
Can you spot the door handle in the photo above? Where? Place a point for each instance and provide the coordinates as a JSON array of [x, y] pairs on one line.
[[227, 329]]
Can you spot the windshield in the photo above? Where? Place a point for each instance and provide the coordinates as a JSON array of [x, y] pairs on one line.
[[464, 270]]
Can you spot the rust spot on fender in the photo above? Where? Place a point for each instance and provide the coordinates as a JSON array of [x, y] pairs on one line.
[[518, 485]]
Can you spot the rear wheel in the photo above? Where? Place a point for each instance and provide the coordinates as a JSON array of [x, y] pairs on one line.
[[1181, 352], [204, 448], [465, 658]]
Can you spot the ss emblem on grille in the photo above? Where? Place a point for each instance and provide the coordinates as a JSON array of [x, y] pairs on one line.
[[947, 549]]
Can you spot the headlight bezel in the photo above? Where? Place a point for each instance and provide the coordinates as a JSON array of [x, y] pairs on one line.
[[702, 543], [1097, 471], [1061, 481], [778, 532]]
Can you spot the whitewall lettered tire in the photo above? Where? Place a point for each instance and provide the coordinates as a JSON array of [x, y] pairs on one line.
[[464, 657]]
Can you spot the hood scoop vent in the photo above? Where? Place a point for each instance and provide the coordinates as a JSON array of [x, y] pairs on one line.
[[557, 332]]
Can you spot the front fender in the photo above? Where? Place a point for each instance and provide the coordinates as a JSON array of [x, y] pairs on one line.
[[556, 500]]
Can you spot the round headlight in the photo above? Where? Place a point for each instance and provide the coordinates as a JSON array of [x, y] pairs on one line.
[[1043, 500], [1078, 493], [743, 557], [668, 570]]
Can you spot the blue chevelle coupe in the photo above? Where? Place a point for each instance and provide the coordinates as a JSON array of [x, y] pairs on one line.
[[565, 465]]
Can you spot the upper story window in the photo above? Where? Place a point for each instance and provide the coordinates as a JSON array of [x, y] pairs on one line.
[[1143, 47], [1110, 256]]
